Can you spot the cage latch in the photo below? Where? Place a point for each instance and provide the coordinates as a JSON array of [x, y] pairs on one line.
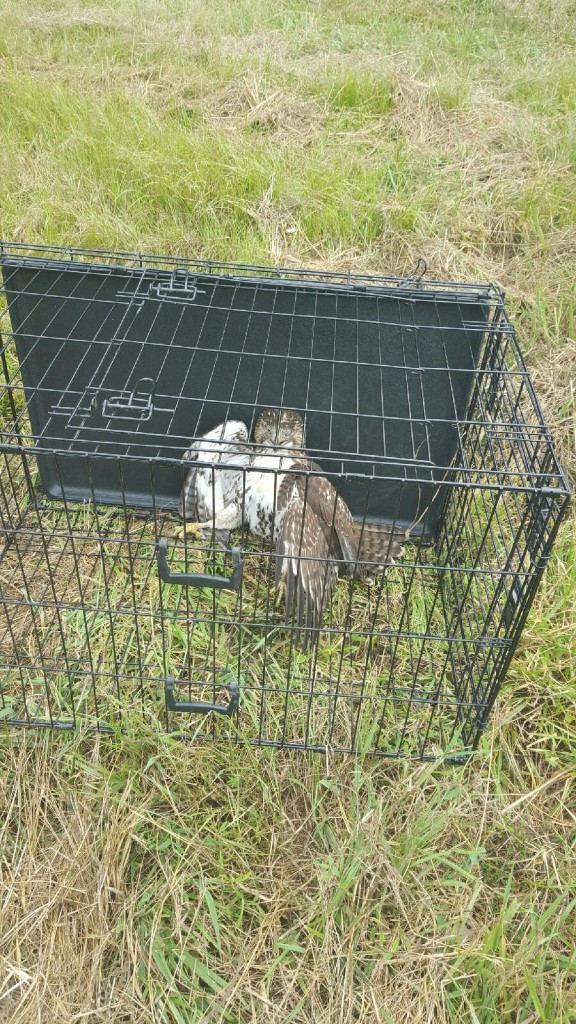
[[199, 579], [200, 707], [131, 405], [180, 287]]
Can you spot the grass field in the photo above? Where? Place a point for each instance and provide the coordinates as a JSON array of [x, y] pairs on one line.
[[142, 880]]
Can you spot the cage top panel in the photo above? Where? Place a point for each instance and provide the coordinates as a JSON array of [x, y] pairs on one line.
[[130, 357], [104, 259]]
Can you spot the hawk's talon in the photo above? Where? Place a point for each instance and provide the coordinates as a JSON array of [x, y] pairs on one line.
[[191, 529], [204, 533]]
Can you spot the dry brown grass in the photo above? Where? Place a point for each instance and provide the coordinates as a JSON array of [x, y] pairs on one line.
[[105, 910]]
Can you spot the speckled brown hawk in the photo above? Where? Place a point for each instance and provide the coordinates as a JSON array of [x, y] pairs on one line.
[[282, 496], [298, 509]]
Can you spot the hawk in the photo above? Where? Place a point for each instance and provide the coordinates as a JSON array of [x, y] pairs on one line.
[[212, 495], [289, 502], [274, 489]]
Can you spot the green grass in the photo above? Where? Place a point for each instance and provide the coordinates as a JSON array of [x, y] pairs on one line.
[[125, 634], [146, 880]]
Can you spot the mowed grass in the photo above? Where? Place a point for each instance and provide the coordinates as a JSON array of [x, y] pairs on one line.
[[144, 880]]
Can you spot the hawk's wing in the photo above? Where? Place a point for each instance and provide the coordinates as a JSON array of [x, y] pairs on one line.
[[206, 490], [317, 534], [335, 516], [303, 552], [356, 541]]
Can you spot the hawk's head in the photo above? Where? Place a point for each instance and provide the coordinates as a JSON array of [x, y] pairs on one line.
[[283, 428]]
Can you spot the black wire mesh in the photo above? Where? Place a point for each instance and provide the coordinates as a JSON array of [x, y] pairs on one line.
[[418, 409]]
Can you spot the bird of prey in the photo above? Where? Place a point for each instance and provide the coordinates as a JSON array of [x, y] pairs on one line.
[[274, 489], [212, 495], [301, 513]]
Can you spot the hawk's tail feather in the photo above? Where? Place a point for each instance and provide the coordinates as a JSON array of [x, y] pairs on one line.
[[379, 543]]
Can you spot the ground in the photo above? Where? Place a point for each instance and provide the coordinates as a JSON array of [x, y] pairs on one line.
[[146, 882]]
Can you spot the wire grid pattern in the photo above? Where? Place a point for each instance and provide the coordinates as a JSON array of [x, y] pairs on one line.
[[418, 408]]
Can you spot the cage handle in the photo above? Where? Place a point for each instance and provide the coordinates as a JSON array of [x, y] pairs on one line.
[[199, 579], [201, 707]]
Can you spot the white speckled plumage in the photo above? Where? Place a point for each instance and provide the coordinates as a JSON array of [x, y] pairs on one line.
[[213, 490]]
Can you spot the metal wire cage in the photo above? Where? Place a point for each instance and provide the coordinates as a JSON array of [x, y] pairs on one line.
[[418, 409]]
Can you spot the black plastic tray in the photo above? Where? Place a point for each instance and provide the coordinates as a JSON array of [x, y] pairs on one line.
[[122, 366]]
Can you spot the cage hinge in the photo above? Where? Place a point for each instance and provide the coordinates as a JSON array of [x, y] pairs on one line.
[[180, 287], [201, 707]]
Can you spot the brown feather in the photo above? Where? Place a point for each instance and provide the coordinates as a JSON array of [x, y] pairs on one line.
[[379, 543], [334, 513], [316, 536]]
